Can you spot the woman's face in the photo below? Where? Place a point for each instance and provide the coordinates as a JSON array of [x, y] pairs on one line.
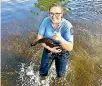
[[55, 14]]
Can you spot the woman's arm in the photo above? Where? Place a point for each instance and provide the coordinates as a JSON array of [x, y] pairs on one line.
[[66, 45]]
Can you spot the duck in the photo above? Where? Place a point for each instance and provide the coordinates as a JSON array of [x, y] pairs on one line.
[[48, 42]]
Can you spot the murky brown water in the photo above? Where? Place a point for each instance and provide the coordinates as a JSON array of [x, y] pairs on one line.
[[20, 63]]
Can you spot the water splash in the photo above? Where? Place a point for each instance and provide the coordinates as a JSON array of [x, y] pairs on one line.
[[29, 77]]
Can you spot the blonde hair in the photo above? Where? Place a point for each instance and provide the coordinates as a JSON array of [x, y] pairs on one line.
[[57, 5]]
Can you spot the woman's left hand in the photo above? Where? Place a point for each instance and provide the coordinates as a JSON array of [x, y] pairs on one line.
[[57, 36]]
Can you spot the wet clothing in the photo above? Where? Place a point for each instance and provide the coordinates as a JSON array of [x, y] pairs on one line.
[[60, 62], [46, 30]]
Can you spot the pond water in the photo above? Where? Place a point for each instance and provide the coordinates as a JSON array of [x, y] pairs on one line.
[[17, 22]]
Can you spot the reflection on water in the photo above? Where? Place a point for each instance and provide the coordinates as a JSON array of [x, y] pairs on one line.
[[14, 9], [87, 10], [20, 63]]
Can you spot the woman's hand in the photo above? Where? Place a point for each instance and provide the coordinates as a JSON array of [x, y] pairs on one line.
[[55, 50], [57, 36]]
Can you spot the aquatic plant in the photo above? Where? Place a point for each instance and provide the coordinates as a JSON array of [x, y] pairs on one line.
[[84, 64]]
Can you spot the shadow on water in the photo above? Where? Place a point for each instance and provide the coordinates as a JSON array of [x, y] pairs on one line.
[[20, 62]]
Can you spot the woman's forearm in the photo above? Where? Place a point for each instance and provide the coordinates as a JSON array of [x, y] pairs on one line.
[[66, 45]]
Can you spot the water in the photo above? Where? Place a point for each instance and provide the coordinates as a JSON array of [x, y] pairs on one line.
[[29, 77], [18, 26], [87, 10], [12, 10], [17, 18]]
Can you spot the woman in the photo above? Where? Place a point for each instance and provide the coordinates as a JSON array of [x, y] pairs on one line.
[[59, 30]]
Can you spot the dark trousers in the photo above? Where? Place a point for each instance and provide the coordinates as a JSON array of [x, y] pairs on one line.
[[61, 60]]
